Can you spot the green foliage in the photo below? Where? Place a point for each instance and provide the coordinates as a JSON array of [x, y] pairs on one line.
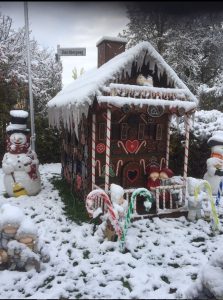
[[198, 155], [212, 99], [75, 73], [74, 207], [47, 141]]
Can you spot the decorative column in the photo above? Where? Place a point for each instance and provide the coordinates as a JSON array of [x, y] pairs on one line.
[[108, 143], [168, 141], [93, 150], [187, 133]]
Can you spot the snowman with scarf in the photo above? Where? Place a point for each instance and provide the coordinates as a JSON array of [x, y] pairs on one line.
[[20, 163], [214, 172]]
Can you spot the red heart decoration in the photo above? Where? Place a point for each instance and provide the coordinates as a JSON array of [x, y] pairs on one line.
[[132, 175], [132, 146]]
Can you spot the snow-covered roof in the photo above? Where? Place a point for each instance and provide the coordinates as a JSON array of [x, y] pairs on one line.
[[75, 99]]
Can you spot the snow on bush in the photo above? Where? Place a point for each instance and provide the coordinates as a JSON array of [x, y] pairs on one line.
[[204, 124]]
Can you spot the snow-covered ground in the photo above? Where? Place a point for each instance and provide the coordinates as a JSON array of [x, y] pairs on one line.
[[166, 257]]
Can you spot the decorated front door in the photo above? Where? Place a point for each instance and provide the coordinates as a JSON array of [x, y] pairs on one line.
[[132, 175]]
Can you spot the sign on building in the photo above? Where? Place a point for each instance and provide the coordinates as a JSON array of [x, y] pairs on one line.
[[70, 52]]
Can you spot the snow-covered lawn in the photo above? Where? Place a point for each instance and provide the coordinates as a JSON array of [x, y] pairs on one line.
[[165, 259]]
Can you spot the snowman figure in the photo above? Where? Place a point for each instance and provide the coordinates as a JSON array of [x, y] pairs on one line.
[[20, 163], [214, 172]]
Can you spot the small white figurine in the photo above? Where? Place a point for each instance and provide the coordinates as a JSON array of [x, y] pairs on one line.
[[194, 209], [142, 80], [206, 208], [119, 203], [214, 172]]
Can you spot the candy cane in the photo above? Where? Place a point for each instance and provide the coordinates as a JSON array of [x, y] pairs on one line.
[[93, 150], [120, 162], [161, 162], [142, 161], [108, 143], [99, 166], [206, 184], [121, 143], [143, 142], [92, 197], [168, 141], [220, 189], [187, 129], [142, 192]]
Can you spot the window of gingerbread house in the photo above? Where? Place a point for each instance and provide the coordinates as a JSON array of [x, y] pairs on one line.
[[159, 132], [124, 131], [101, 131], [141, 131]]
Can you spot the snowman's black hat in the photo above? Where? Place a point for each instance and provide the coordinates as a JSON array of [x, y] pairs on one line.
[[216, 139], [18, 122]]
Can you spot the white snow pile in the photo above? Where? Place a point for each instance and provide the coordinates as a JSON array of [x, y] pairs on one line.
[[164, 259], [10, 214], [209, 284], [203, 125], [27, 228]]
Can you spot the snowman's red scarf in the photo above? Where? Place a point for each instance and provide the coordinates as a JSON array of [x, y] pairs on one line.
[[17, 149], [217, 155]]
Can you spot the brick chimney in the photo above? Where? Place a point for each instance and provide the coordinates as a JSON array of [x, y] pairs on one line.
[[109, 47]]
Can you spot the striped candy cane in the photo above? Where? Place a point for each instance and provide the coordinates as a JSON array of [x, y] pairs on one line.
[[220, 188], [120, 162], [142, 192], [93, 197], [108, 143], [187, 129], [168, 141], [93, 151], [142, 161]]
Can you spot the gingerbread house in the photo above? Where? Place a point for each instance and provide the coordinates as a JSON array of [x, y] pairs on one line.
[[115, 120]]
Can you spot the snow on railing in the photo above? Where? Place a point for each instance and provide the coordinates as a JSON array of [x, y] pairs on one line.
[[168, 198], [116, 89]]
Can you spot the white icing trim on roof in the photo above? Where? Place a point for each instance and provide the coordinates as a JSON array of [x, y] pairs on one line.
[[120, 101]]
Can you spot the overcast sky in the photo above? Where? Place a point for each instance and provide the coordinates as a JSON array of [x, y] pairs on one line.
[[70, 24]]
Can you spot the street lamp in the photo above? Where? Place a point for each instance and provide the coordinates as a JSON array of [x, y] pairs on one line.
[[33, 135]]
